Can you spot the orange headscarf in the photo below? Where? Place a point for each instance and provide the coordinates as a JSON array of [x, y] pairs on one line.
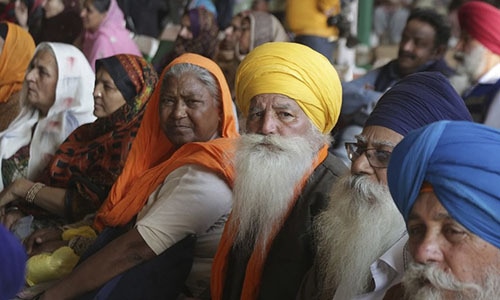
[[153, 156], [255, 266], [17, 52]]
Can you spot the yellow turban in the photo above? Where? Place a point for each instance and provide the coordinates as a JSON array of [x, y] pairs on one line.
[[295, 71]]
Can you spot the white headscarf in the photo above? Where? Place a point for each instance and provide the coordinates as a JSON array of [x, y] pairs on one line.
[[73, 106]]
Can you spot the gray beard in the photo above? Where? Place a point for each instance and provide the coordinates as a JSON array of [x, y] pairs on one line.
[[268, 168], [445, 286], [360, 224]]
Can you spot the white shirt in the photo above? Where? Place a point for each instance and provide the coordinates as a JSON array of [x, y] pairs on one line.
[[493, 115], [386, 272], [191, 200]]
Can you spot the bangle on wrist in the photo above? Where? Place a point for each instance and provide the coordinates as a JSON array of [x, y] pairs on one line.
[[33, 191]]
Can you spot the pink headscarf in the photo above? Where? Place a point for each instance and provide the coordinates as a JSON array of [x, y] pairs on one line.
[[110, 39]]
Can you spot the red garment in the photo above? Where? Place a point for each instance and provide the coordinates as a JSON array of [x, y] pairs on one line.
[[153, 156], [481, 21]]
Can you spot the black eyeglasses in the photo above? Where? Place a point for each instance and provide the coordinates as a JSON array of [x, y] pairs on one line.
[[378, 159]]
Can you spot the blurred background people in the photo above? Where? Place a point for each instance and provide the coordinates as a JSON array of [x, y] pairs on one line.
[[478, 53], [248, 30], [105, 33], [198, 34], [314, 24]]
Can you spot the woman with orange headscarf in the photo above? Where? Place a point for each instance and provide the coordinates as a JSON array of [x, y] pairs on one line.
[[176, 183], [18, 49]]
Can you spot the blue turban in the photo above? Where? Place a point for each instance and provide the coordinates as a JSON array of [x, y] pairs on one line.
[[12, 264], [417, 100], [460, 160]]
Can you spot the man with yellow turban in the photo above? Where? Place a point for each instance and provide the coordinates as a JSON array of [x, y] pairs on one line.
[[290, 96]]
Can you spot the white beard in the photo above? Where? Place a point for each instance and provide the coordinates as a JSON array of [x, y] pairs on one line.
[[268, 168], [473, 63], [359, 225], [427, 282]]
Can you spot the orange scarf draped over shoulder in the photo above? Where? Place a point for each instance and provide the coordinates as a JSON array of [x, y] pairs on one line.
[[255, 266], [15, 57], [153, 157]]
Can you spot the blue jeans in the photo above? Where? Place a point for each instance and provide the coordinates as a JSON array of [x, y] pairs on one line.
[[320, 44]]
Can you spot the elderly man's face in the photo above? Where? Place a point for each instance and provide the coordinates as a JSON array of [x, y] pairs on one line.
[[471, 55], [277, 114], [377, 138], [435, 238]]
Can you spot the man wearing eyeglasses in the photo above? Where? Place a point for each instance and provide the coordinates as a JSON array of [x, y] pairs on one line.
[[362, 234]]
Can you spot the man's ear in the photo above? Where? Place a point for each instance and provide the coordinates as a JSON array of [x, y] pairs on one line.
[[440, 51]]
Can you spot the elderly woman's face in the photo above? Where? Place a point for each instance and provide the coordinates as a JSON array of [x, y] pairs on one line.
[[52, 7], [437, 239], [107, 97], [188, 112], [91, 17], [41, 80]]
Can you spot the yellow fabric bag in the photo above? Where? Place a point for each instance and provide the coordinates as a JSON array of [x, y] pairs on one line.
[[50, 266]]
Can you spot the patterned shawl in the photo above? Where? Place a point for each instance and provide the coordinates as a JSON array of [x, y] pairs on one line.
[[153, 156], [90, 160]]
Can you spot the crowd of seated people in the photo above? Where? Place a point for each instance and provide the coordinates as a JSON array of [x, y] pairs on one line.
[[207, 171]]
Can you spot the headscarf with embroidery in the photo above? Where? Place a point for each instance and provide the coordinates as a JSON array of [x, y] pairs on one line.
[[153, 156], [89, 161], [72, 107], [460, 161]]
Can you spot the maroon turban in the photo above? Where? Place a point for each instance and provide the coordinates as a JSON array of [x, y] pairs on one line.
[[482, 22]]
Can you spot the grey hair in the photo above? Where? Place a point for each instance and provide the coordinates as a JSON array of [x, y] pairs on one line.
[[45, 47], [202, 74]]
